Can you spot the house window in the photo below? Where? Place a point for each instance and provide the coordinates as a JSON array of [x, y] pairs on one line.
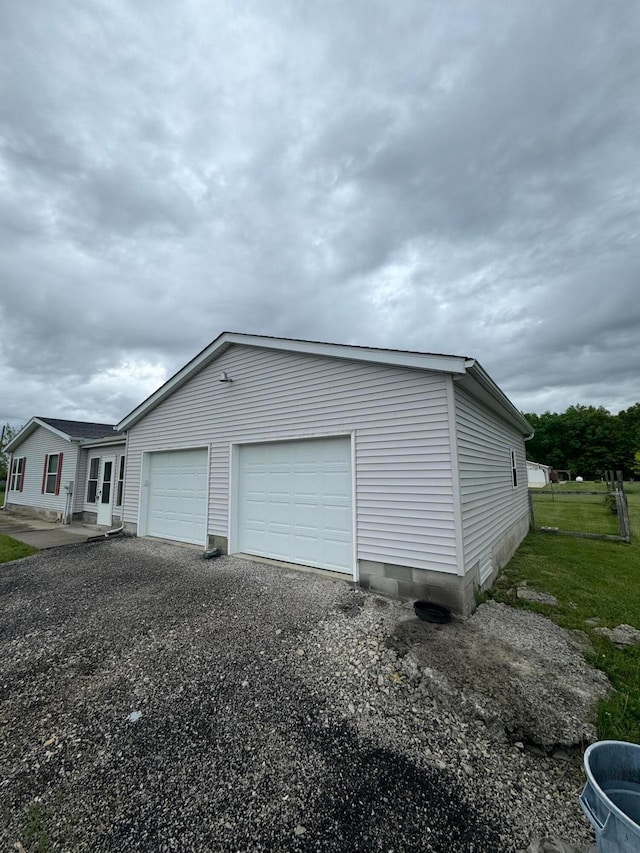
[[92, 481], [16, 479], [514, 469], [52, 474], [120, 486]]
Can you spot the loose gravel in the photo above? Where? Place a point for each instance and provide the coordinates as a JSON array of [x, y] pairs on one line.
[[151, 700]]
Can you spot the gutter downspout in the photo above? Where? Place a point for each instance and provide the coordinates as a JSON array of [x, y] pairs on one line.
[[107, 535], [6, 485]]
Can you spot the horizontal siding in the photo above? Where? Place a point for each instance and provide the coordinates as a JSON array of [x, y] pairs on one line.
[[35, 448], [404, 486], [489, 503], [81, 480]]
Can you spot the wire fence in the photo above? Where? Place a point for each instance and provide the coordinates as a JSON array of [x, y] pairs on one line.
[[591, 513]]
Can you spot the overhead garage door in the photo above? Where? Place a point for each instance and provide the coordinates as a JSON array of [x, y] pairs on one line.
[[295, 502], [177, 495]]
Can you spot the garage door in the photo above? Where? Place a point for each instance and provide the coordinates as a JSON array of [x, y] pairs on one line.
[[295, 502], [177, 495]]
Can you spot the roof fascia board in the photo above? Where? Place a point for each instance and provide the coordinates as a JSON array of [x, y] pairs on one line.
[[478, 382], [103, 442], [396, 358], [418, 361]]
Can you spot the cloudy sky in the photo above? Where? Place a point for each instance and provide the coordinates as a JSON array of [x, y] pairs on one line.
[[458, 177]]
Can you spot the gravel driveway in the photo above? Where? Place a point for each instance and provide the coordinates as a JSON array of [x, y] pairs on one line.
[[153, 701]]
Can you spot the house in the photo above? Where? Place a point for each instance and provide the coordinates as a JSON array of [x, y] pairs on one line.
[[538, 476], [63, 469], [402, 471]]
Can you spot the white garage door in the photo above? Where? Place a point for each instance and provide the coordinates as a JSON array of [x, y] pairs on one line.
[[177, 495], [295, 502]]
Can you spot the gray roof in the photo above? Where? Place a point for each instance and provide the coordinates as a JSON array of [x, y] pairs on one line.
[[81, 429]]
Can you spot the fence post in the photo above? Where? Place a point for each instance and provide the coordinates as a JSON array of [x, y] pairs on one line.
[[623, 516], [532, 515]]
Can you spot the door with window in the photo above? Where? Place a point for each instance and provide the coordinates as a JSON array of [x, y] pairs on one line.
[[104, 491]]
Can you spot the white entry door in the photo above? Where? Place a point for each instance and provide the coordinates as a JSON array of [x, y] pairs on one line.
[[295, 502], [104, 494]]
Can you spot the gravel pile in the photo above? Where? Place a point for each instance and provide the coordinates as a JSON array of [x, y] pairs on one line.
[[154, 701], [470, 729]]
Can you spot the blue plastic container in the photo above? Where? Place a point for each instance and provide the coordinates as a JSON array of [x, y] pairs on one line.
[[611, 797]]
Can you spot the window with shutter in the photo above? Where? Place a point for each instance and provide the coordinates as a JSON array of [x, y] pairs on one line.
[[52, 474]]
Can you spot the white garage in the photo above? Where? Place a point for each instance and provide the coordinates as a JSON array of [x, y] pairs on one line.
[[177, 495], [294, 502], [402, 470]]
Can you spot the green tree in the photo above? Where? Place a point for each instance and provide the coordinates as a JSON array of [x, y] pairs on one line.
[[8, 433], [629, 420], [588, 440]]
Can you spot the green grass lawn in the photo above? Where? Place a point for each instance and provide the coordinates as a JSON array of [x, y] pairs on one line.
[[592, 579], [10, 549], [583, 513], [579, 507]]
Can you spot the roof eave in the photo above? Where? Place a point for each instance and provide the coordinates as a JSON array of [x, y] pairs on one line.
[[28, 429], [475, 373], [103, 442]]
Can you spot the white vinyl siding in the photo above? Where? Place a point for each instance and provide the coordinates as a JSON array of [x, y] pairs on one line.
[[80, 487], [35, 448], [404, 484], [490, 504]]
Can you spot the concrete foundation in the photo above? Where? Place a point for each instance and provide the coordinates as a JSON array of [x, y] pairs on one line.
[[455, 591], [219, 542], [88, 517], [506, 547], [37, 511]]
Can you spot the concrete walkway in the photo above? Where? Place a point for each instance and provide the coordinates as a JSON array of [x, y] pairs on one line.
[[43, 534]]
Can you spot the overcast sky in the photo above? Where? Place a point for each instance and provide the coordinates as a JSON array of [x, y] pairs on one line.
[[458, 177]]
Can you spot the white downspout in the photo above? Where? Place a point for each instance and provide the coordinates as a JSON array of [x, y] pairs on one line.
[[8, 483]]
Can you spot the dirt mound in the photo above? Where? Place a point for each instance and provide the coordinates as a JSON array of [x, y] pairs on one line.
[[516, 670]]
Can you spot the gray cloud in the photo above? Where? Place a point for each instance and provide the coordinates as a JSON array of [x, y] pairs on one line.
[[454, 177]]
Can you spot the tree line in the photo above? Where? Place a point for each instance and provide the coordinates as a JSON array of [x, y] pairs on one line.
[[7, 433], [587, 440]]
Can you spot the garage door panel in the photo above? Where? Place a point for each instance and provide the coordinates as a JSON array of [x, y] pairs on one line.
[[279, 513], [336, 554], [308, 516], [304, 502], [177, 495], [305, 549]]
